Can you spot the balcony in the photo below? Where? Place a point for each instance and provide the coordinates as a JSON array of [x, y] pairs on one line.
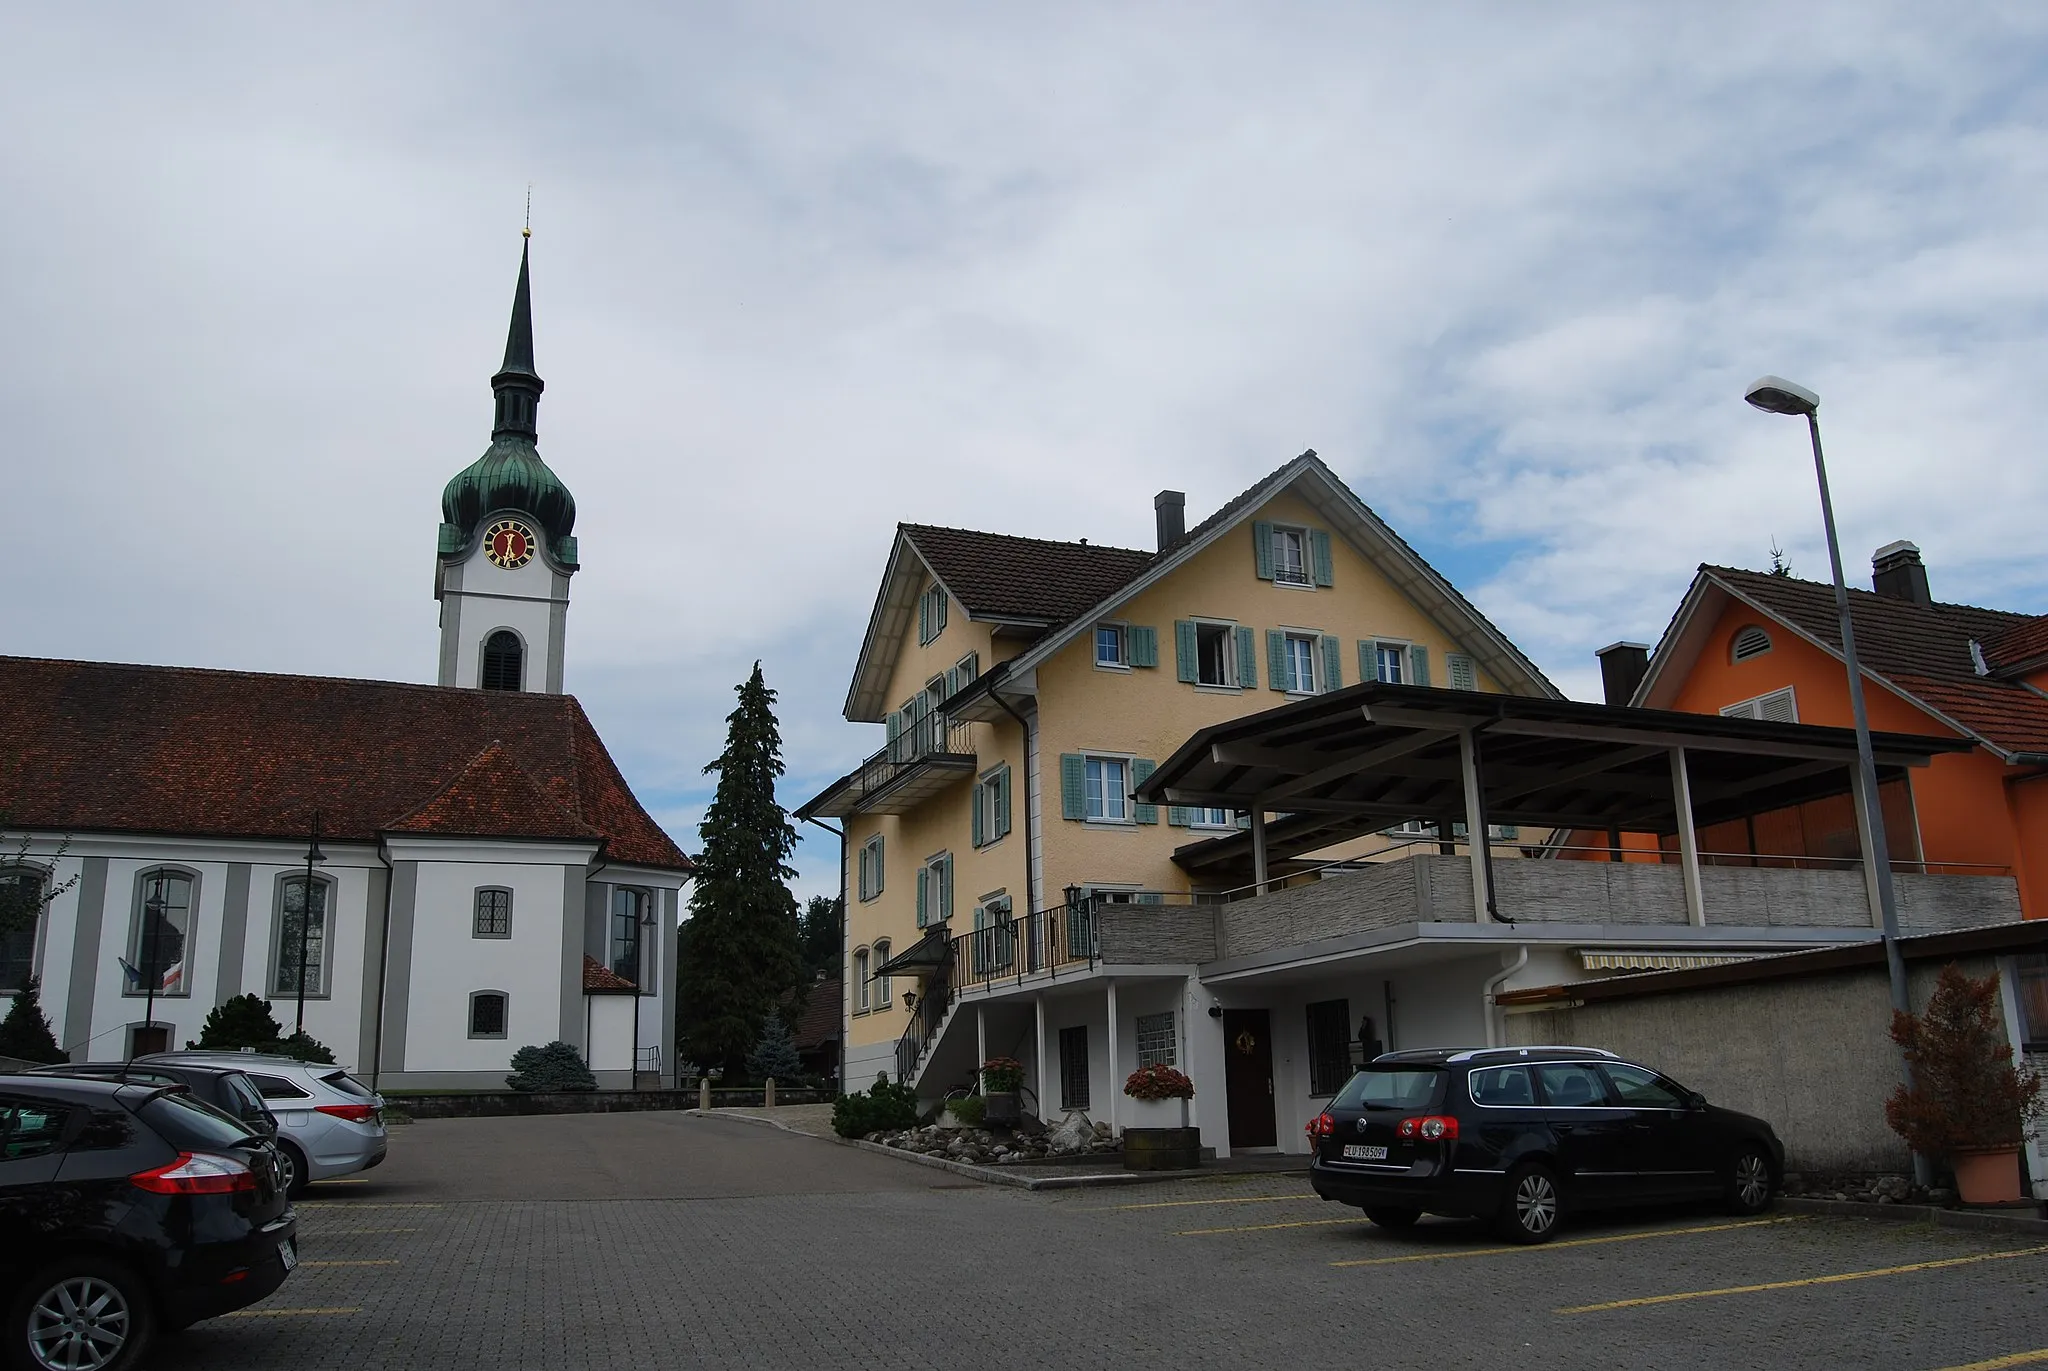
[[931, 752]]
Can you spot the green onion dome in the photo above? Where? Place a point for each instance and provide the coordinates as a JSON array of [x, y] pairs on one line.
[[510, 475]]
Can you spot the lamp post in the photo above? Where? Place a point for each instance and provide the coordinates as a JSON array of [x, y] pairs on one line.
[[313, 856], [1775, 395]]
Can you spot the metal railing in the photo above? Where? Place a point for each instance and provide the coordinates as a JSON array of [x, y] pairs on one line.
[[1045, 940], [922, 738], [927, 1016]]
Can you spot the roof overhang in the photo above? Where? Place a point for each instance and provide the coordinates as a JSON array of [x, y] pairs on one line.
[[1371, 756], [895, 610], [925, 955]]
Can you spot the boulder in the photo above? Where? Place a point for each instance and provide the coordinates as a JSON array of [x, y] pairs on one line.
[[1072, 1134]]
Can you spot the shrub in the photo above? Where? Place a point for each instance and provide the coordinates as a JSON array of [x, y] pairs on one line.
[[1966, 1091], [243, 1021], [25, 1034], [884, 1109], [306, 1048], [558, 1066], [1158, 1082], [1001, 1076], [969, 1109]]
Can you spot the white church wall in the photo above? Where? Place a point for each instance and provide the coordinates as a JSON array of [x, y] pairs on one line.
[[449, 963], [334, 1002], [611, 1033]]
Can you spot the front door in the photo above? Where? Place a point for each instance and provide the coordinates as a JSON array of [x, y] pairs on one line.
[[147, 1038], [1248, 1077]]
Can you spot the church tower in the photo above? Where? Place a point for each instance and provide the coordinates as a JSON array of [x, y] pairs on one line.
[[506, 552]]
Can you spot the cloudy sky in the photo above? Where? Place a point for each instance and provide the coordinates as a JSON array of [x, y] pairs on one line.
[[803, 271]]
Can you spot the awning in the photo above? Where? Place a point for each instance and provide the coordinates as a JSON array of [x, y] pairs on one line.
[[1657, 961], [926, 954]]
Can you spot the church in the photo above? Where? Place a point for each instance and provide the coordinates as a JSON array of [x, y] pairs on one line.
[[426, 878]]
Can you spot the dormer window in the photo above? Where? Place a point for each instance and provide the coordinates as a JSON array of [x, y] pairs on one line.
[[1290, 556], [1747, 643]]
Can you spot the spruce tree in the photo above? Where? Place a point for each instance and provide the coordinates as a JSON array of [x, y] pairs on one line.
[[738, 953], [775, 1054], [25, 1034]]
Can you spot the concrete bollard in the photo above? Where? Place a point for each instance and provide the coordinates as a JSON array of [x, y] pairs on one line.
[[768, 1094], [703, 1092]]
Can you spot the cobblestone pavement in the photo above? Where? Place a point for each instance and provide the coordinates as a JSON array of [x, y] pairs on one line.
[[748, 1246]]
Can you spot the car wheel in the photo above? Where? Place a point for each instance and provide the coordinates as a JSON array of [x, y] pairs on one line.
[[81, 1315], [1391, 1217], [291, 1165], [1533, 1204], [1749, 1181]]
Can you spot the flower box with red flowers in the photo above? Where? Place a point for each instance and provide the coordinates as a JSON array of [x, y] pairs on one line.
[[1158, 1082]]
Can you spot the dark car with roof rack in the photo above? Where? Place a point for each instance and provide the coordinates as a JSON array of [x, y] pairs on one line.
[[1524, 1136]]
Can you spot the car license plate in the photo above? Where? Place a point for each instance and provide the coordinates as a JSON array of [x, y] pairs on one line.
[[1364, 1152], [288, 1253]]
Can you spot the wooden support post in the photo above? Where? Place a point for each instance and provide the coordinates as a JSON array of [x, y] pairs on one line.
[[1116, 1085], [1688, 840], [1475, 827], [1259, 850], [1044, 1084]]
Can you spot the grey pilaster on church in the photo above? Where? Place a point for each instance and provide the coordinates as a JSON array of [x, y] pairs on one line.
[[507, 545]]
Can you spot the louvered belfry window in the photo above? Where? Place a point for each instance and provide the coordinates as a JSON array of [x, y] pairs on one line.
[[504, 662]]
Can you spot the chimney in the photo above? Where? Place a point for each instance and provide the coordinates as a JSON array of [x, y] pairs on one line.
[[1622, 668], [1896, 572], [1170, 512]]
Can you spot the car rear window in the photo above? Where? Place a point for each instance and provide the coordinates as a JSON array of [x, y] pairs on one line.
[[347, 1085], [1390, 1087], [192, 1125], [277, 1088]]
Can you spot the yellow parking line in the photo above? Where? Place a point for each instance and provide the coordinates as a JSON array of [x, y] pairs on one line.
[[289, 1313], [379, 1261], [1267, 1227], [1189, 1204], [1573, 1242], [2014, 1359], [1836, 1279], [343, 1180]]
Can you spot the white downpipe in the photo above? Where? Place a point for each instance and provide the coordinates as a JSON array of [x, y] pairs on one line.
[[1493, 1033], [1116, 1085]]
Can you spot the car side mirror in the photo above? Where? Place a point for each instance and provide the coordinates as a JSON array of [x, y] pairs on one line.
[[1695, 1100]]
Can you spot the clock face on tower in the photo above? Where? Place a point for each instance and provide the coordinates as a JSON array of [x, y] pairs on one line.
[[509, 544]]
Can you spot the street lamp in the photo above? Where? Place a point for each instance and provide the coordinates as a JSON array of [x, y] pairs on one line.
[[313, 856], [1776, 395]]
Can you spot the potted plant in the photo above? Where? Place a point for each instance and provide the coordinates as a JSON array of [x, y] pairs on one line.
[[1968, 1106], [1001, 1079], [1161, 1149]]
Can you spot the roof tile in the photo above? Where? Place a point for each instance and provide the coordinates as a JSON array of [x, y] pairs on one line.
[[999, 575]]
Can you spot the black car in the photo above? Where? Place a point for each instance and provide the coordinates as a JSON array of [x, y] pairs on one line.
[[225, 1088], [1525, 1135], [125, 1209]]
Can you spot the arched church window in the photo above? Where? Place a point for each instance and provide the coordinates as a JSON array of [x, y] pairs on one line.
[[504, 661]]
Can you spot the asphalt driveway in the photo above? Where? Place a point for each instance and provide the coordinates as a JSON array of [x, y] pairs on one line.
[[666, 1239]]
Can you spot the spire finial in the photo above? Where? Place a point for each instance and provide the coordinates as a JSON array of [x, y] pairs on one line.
[[527, 230]]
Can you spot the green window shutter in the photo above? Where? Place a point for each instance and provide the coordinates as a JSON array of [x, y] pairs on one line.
[[1368, 661], [923, 914], [1333, 662], [1178, 816], [1073, 786], [1247, 659], [863, 885], [952, 681], [1418, 658], [1002, 785], [878, 863], [924, 618], [1186, 658], [938, 611], [1458, 667], [1277, 672], [894, 723], [1319, 555], [974, 823], [1262, 549], [1140, 771], [946, 888], [970, 669], [1143, 645]]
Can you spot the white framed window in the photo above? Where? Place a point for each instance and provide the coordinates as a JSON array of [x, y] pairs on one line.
[[883, 995], [1390, 662], [1301, 663], [931, 614], [488, 1013], [1111, 647], [294, 917], [870, 886], [1108, 790], [935, 891], [1779, 706], [22, 897], [1156, 1042], [860, 980], [160, 935], [995, 936], [991, 817], [1413, 828], [1291, 565], [1210, 817], [630, 906], [1217, 656], [1748, 642]]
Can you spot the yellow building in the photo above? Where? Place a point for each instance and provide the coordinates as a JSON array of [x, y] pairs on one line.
[[1025, 687]]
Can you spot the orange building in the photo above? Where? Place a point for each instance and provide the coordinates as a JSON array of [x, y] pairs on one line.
[[1769, 646]]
